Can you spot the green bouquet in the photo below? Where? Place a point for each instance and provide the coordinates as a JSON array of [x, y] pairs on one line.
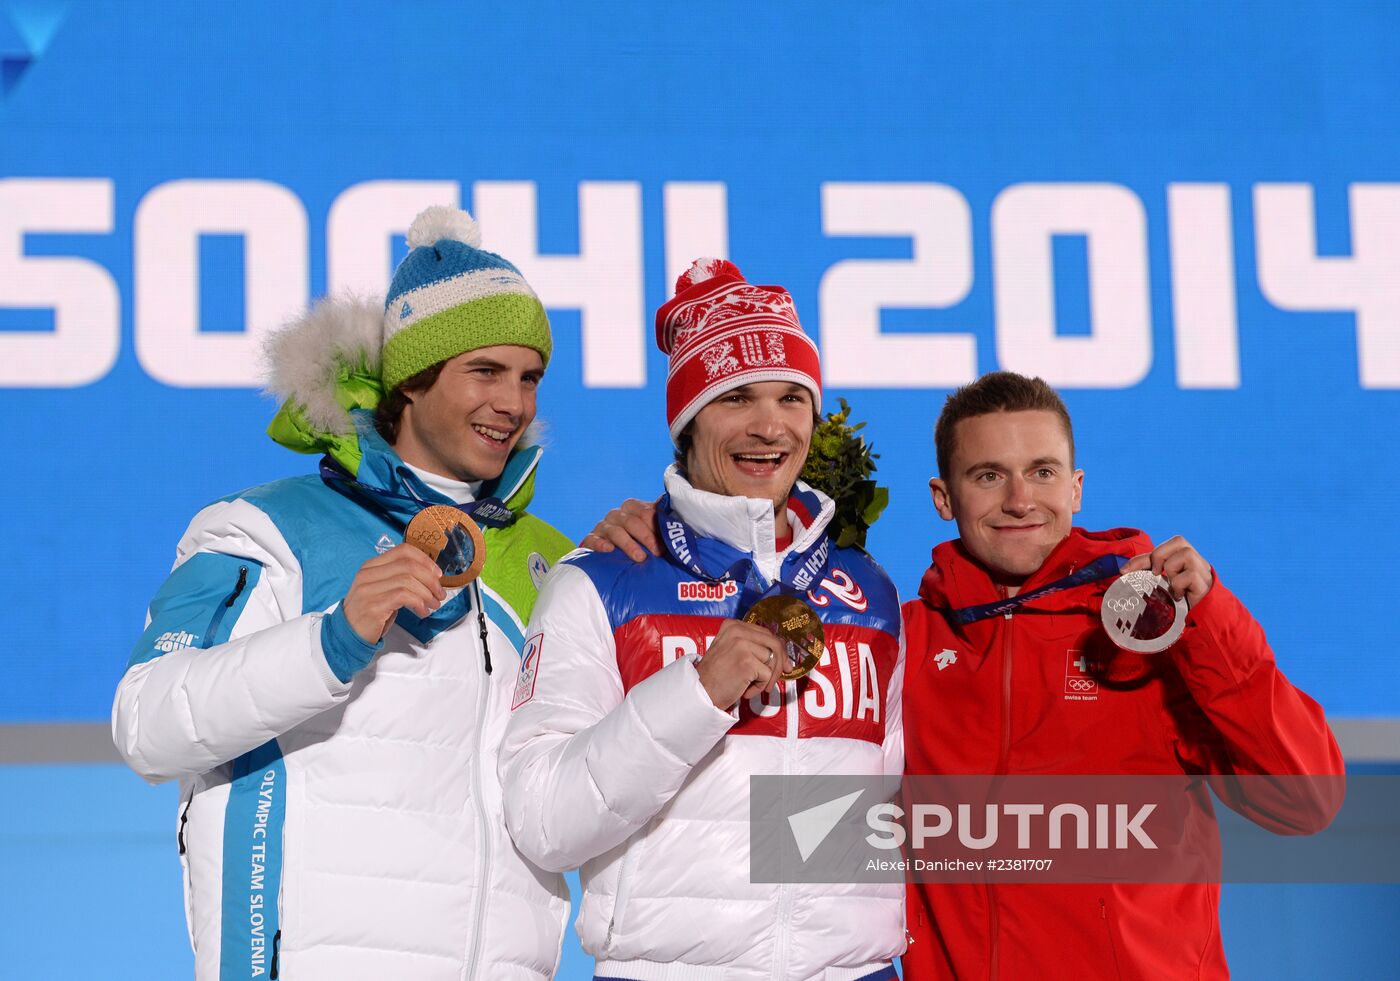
[[839, 464]]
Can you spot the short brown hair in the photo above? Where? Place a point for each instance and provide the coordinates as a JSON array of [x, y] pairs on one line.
[[683, 444], [996, 391], [389, 413]]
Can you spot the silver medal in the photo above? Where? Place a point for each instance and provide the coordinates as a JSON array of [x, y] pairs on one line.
[[1140, 614]]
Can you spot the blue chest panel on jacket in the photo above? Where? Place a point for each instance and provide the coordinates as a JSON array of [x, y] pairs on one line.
[[854, 591], [331, 536]]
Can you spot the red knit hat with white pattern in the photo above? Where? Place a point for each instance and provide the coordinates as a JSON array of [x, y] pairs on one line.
[[722, 332]]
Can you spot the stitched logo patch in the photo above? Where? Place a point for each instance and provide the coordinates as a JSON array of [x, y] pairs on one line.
[[698, 591], [844, 588], [539, 568], [1080, 685], [529, 671]]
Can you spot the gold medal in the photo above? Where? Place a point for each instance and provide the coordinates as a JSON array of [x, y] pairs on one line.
[[793, 620], [451, 539]]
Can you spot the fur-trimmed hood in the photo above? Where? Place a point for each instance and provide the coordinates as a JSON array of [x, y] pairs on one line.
[[310, 360]]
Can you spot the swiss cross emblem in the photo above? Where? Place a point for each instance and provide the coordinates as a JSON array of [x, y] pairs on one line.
[[1078, 680]]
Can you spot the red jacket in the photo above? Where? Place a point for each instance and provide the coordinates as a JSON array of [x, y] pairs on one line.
[[1214, 703]]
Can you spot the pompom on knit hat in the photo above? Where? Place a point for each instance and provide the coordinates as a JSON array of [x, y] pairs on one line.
[[449, 296], [722, 332]]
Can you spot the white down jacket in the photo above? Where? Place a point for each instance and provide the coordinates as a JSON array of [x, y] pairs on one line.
[[333, 830], [616, 760]]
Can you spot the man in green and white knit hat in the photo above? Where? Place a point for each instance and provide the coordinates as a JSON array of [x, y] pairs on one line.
[[331, 711]]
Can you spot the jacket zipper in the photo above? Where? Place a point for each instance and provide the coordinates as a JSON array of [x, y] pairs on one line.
[[624, 890], [790, 697], [276, 949], [483, 828], [206, 642], [1108, 930], [186, 880], [1003, 765], [184, 819], [1004, 756], [481, 624], [227, 605]]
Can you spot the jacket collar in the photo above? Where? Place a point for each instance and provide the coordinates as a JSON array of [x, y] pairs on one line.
[[747, 523], [955, 579], [384, 469]]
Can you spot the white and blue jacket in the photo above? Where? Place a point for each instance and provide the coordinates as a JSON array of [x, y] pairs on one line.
[[340, 815], [616, 760]]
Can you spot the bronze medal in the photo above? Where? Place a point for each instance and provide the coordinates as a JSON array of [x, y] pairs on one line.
[[793, 620], [451, 539]]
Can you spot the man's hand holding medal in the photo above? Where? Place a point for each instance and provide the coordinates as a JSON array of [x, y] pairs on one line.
[[1176, 560], [401, 578], [443, 548], [1145, 608], [780, 639], [745, 660]]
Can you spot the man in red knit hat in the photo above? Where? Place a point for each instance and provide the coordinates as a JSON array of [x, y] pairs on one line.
[[651, 694]]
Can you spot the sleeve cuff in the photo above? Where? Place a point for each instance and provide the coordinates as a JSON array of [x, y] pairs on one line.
[[345, 651], [679, 713]]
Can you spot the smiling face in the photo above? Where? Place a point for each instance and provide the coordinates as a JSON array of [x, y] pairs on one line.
[[1012, 488], [467, 422], [752, 442]]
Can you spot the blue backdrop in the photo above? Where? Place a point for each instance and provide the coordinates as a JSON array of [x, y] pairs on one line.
[[1186, 215]]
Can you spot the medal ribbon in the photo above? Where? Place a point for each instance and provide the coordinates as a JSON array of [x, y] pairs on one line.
[[1101, 568], [800, 571], [490, 512]]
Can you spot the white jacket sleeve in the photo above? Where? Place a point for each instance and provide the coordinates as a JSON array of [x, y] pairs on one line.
[[182, 707], [894, 715], [582, 766]]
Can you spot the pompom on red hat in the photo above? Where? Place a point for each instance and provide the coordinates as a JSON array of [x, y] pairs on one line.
[[722, 332]]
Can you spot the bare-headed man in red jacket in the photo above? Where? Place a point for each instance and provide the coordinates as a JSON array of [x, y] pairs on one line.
[[1212, 703]]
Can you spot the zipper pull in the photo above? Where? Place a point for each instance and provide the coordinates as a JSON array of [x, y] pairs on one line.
[[485, 647], [238, 589], [184, 818], [481, 623], [276, 949]]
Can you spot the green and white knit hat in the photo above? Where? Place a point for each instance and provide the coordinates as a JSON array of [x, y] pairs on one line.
[[449, 295]]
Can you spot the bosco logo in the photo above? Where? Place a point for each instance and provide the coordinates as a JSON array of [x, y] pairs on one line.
[[706, 592]]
